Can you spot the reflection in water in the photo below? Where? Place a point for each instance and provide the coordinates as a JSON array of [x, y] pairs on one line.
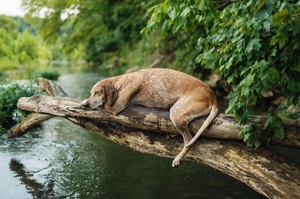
[[59, 160], [37, 190]]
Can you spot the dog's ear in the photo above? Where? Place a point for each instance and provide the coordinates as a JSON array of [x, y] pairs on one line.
[[111, 94]]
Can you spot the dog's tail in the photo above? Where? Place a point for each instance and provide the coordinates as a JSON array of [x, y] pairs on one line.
[[211, 117]]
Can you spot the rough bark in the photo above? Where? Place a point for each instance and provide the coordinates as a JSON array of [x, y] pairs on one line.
[[150, 131]]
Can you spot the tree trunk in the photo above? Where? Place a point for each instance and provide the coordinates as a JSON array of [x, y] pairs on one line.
[[149, 130]]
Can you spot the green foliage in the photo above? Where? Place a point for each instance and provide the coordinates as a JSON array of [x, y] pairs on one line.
[[18, 45], [6, 43], [10, 94], [253, 44], [8, 24], [102, 26], [274, 123], [251, 135], [48, 74], [26, 47], [23, 26]]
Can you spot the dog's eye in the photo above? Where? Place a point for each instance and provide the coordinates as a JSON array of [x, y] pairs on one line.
[[96, 92]]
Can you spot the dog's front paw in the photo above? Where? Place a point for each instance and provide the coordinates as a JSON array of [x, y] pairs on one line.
[[176, 163]]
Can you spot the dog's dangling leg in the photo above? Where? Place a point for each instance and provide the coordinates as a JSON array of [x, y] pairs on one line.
[[181, 114], [180, 117]]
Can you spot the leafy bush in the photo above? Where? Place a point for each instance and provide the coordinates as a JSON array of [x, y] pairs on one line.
[[10, 94], [26, 47], [48, 74]]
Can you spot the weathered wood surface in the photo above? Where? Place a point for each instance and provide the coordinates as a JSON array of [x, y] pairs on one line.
[[150, 131], [51, 89], [154, 119]]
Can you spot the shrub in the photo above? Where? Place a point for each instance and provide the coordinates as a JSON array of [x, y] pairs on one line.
[[48, 74]]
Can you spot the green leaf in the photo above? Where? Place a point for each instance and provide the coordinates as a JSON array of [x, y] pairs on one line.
[[163, 7], [246, 136], [279, 17], [253, 44], [172, 12], [186, 13], [274, 40], [265, 10], [279, 132], [231, 104], [180, 23], [267, 24], [283, 38], [274, 50], [211, 56], [295, 25], [165, 28], [257, 143], [263, 2]]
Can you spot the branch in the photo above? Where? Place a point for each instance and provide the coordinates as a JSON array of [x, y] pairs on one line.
[[156, 120]]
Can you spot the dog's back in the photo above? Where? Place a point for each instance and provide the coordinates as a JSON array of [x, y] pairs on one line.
[[164, 87]]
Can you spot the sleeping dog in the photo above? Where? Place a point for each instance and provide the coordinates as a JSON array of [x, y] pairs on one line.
[[186, 96]]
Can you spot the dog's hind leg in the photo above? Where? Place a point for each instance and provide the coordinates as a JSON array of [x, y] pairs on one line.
[[181, 114]]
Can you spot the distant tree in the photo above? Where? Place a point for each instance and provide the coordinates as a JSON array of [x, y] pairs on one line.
[[26, 47], [7, 34], [8, 24], [22, 25], [101, 24]]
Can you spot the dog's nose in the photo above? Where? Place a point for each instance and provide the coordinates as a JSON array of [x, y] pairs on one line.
[[86, 104]]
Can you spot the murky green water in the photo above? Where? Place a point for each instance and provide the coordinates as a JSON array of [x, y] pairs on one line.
[[61, 160]]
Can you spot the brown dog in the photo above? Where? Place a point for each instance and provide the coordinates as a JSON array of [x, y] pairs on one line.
[[187, 96]]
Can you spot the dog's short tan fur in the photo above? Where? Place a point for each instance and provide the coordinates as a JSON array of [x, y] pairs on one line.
[[186, 96]]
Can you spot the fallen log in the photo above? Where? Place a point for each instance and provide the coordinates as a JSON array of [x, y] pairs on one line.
[[150, 131], [154, 119]]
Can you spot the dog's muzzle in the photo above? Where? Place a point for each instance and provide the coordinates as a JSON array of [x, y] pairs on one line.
[[86, 104]]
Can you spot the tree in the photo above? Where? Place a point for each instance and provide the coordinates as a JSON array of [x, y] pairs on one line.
[[102, 25], [254, 45], [7, 33], [26, 47]]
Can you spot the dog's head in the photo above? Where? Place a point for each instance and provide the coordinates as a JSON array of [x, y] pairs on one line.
[[100, 94]]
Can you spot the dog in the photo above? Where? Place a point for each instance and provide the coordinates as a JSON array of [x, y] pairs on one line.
[[186, 96]]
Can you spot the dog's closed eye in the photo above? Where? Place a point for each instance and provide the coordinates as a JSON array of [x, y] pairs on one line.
[[96, 92]]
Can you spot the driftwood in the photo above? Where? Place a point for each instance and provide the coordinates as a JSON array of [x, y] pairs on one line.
[[150, 131]]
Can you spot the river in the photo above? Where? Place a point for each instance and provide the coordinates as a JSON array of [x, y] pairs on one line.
[[61, 160]]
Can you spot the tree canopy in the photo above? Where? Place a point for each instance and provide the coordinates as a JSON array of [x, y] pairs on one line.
[[102, 24]]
